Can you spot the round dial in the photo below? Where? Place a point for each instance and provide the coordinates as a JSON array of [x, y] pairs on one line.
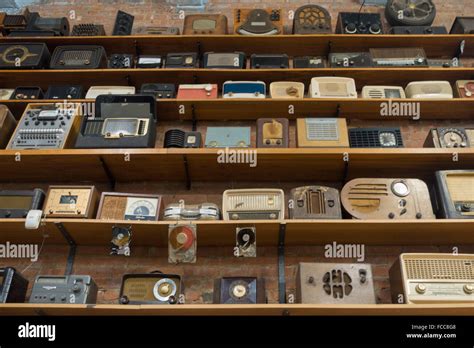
[[14, 53], [164, 289], [387, 139], [238, 290], [400, 188], [141, 208], [454, 138]]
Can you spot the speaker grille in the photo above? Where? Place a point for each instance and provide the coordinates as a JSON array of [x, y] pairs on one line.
[[322, 129], [462, 269]]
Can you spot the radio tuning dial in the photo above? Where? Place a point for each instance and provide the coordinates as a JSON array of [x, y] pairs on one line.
[[421, 289], [469, 289], [375, 29], [351, 28]]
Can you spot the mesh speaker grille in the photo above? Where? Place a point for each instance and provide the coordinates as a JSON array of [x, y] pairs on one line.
[[461, 269], [322, 129]]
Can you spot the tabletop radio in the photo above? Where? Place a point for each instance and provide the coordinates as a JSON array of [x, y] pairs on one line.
[[239, 290], [322, 132], [312, 19], [24, 56], [253, 204], [17, 204], [129, 206], [332, 87], [315, 202], [150, 288], [71, 289], [244, 89], [71, 202], [205, 24], [273, 132], [258, 21], [235, 60], [13, 286], [455, 193], [204, 211], [287, 90], [78, 57]]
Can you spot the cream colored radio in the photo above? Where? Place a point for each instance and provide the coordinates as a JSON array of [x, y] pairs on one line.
[[95, 91], [429, 90], [381, 92], [433, 278], [6, 93], [287, 90], [253, 204], [322, 132], [332, 87], [71, 202]]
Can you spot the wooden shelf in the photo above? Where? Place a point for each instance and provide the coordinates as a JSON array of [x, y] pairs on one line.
[[202, 164], [290, 44], [222, 233], [251, 109], [237, 310]]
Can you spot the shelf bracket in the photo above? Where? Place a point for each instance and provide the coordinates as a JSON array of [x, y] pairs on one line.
[[346, 171], [129, 80], [329, 47], [199, 48], [194, 119], [195, 79], [72, 247], [281, 265], [137, 49], [338, 110], [108, 172], [186, 169]]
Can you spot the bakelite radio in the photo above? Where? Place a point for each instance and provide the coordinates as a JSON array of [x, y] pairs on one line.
[[312, 19], [94, 91], [228, 137], [287, 90], [332, 87], [198, 91], [272, 133], [24, 56], [205, 24], [455, 192], [429, 90], [449, 138], [244, 89], [322, 132], [315, 202], [78, 57], [253, 204]]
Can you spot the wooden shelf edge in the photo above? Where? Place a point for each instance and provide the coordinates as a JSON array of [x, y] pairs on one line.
[[238, 310]]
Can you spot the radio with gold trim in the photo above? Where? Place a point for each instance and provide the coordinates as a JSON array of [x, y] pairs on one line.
[[258, 21], [150, 288], [273, 132], [7, 125], [391, 199], [322, 132], [432, 278], [205, 24], [239, 290], [315, 202], [455, 193], [71, 202], [253, 204], [24, 56], [129, 206], [46, 126]]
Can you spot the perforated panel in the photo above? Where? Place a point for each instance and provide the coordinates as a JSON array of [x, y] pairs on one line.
[[453, 269]]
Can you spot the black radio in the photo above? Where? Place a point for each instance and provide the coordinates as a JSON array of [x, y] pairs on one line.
[[269, 61], [24, 56], [78, 57], [418, 30], [27, 93], [72, 289], [149, 62], [121, 121], [176, 138], [120, 61], [350, 60], [88, 30], [309, 62], [182, 60], [375, 137], [159, 90], [12, 286], [359, 23], [17, 204], [64, 92], [57, 26], [235, 60], [123, 24], [239, 290]]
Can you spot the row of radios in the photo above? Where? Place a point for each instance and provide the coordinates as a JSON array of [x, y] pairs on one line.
[[320, 87], [414, 279], [372, 198], [37, 56], [309, 19]]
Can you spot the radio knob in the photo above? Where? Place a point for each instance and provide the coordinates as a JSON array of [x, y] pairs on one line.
[[63, 299], [8, 214], [273, 216], [375, 29], [351, 28], [421, 289], [469, 289], [235, 216], [76, 288], [52, 298], [466, 207], [37, 123]]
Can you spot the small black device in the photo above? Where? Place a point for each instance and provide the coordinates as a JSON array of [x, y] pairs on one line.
[[235, 60], [375, 138], [350, 60], [88, 30], [239, 290], [149, 61], [463, 25], [120, 61], [176, 138], [418, 30], [24, 55], [159, 90], [13, 286], [123, 24], [25, 93], [78, 57], [359, 23], [71, 289], [309, 62], [269, 61], [182, 60], [57, 26], [64, 92], [17, 204]]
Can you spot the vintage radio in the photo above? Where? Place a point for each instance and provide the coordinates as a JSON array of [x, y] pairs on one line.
[[95, 91], [73, 289], [322, 132], [6, 93], [239, 290], [287, 90], [463, 25], [383, 92], [198, 91], [182, 243], [9, 22], [7, 125], [253, 204], [123, 24], [312, 19], [129, 206], [176, 138], [150, 288], [120, 61], [258, 22], [269, 61], [335, 283], [24, 56], [159, 90], [71, 202], [88, 29], [315, 202], [245, 242], [13, 286], [359, 23], [121, 121], [149, 62], [444, 63], [465, 88], [232, 137], [273, 132], [244, 89], [46, 126], [205, 24], [159, 31], [432, 278], [380, 199], [17, 204], [26, 93], [64, 92], [55, 26], [204, 211], [350, 60], [236, 60], [182, 60], [399, 57], [429, 90], [418, 30], [332, 87], [309, 62], [455, 193], [78, 57], [375, 138], [448, 138]]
